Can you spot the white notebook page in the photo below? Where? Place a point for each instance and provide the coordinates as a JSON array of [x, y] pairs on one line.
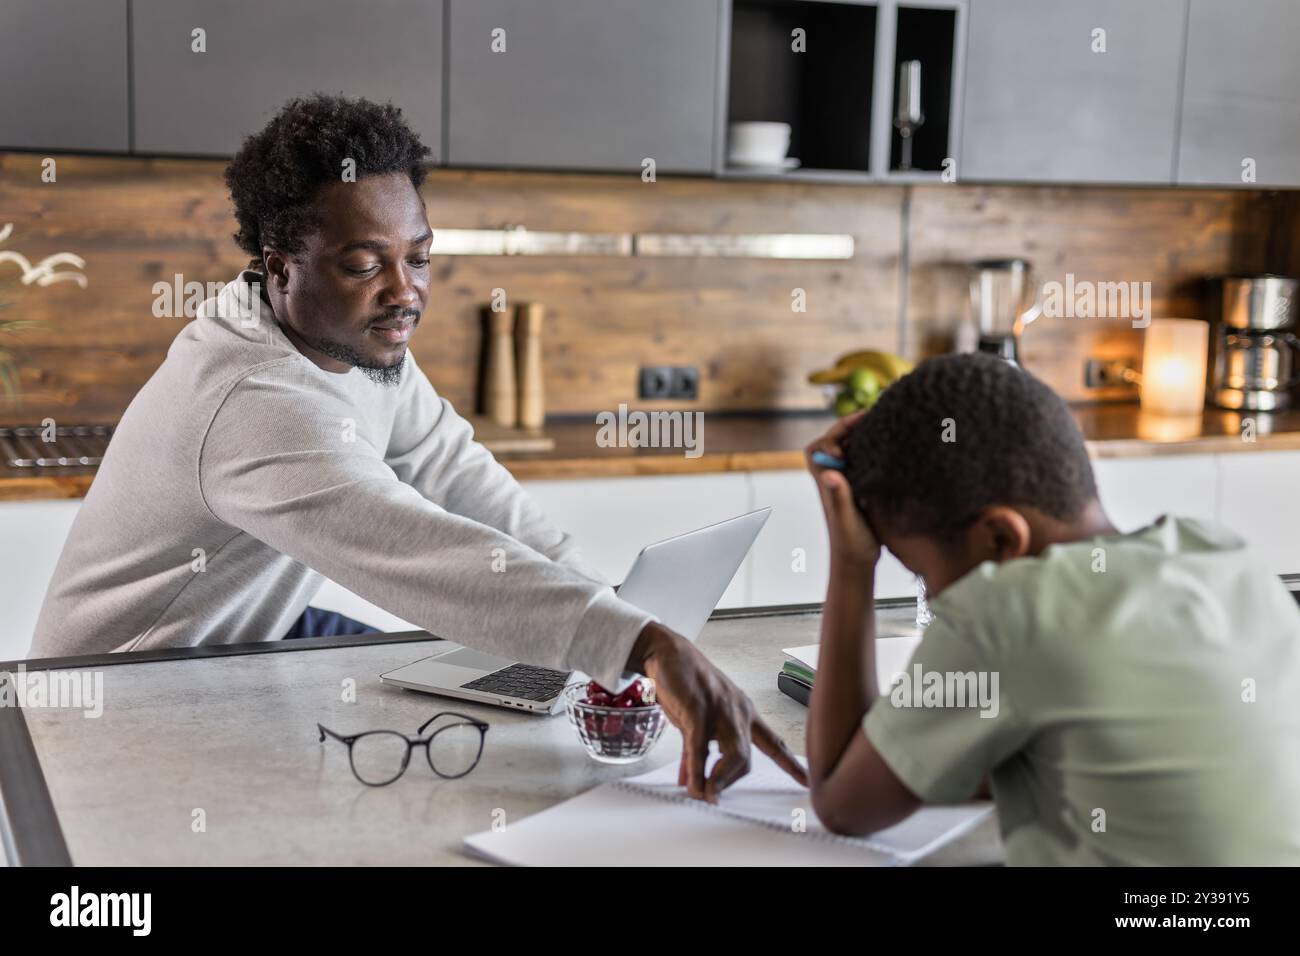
[[763, 819]]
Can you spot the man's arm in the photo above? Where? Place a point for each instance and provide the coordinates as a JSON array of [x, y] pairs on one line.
[[278, 464], [432, 448], [275, 465]]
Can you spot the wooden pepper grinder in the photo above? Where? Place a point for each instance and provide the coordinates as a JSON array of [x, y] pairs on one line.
[[528, 361], [499, 396]]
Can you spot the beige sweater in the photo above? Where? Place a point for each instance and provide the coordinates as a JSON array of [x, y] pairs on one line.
[[242, 472]]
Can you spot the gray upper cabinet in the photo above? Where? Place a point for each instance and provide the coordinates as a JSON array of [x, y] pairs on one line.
[[1241, 93], [583, 84], [261, 53], [63, 72], [1042, 106]]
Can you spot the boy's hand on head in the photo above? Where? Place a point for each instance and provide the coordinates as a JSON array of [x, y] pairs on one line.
[[852, 540]]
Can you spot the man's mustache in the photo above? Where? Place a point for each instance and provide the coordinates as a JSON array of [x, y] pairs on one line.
[[397, 315]]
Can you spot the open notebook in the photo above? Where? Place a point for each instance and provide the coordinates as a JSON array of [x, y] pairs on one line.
[[649, 821]]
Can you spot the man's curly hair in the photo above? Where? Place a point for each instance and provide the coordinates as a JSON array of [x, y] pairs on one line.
[[1010, 441], [278, 171]]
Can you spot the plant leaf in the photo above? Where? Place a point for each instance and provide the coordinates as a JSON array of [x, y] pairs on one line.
[[7, 382], [13, 325]]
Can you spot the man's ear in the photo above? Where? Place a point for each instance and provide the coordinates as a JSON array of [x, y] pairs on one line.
[[1003, 533], [277, 270]]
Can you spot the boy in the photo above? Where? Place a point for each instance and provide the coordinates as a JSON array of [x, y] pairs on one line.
[[1147, 684]]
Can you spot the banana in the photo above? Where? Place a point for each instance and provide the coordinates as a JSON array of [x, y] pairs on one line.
[[887, 367]]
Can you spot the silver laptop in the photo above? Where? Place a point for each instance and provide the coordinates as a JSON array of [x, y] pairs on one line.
[[679, 580]]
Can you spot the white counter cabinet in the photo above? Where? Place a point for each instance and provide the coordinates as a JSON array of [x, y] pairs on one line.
[[1258, 499], [613, 518], [31, 536], [1136, 491]]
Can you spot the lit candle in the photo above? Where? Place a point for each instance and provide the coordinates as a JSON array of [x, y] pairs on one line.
[[1173, 366]]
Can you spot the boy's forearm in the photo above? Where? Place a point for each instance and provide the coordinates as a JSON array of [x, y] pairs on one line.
[[845, 684]]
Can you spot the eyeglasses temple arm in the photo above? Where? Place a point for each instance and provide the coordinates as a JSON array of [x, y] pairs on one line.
[[325, 730]]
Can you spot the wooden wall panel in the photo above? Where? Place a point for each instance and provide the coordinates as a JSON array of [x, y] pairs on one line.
[[606, 317], [139, 221], [1170, 238], [134, 222]]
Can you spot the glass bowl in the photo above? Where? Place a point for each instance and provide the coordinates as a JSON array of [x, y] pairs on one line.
[[613, 734]]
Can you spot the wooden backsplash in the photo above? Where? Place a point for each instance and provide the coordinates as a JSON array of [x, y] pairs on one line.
[[1169, 238], [137, 221]]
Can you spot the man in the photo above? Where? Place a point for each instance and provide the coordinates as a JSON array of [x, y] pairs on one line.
[[290, 435]]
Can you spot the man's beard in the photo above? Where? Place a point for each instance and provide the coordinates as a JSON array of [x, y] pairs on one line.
[[379, 374]]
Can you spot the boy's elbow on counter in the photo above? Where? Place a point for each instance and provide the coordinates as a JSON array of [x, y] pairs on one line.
[[833, 815]]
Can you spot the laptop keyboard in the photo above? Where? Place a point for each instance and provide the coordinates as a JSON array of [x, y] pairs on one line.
[[523, 681]]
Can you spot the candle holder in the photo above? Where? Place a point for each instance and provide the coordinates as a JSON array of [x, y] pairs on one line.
[[1174, 353]]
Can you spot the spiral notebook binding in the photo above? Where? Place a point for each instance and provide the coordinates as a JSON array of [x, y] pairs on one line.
[[858, 843]]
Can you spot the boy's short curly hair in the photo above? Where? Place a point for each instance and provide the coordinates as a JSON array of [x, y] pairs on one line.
[[961, 433], [279, 170]]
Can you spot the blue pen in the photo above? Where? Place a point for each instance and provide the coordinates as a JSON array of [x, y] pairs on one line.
[[827, 461]]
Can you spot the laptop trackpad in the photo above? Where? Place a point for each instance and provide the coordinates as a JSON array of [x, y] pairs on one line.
[[468, 657]]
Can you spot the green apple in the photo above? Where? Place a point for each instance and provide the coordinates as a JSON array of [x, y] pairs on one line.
[[865, 386]]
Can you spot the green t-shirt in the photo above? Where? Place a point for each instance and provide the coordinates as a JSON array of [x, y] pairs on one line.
[[1147, 705]]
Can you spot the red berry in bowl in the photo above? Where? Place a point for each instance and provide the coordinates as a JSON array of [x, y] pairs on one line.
[[598, 696], [639, 693]]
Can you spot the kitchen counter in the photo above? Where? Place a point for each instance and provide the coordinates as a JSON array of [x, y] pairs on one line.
[[774, 441], [233, 734]]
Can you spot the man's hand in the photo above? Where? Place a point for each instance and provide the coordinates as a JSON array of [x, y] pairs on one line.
[[705, 706], [852, 541]]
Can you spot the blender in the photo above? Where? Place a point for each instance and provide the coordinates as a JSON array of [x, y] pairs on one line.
[[1003, 300]]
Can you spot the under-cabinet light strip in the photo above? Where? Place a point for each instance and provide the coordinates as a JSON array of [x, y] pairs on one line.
[[518, 241]]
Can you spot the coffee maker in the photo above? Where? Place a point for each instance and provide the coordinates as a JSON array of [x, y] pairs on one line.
[[1003, 300], [1253, 365]]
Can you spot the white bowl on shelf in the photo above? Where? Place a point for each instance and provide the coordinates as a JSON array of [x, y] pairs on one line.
[[762, 166], [758, 144]]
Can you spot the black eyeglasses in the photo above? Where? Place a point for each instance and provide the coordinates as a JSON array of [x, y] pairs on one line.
[[379, 757]]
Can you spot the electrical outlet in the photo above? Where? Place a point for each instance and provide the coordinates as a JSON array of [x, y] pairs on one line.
[[656, 381], [1109, 373], [685, 382], [669, 381]]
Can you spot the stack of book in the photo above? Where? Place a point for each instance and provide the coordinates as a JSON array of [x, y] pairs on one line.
[[893, 652], [796, 676]]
